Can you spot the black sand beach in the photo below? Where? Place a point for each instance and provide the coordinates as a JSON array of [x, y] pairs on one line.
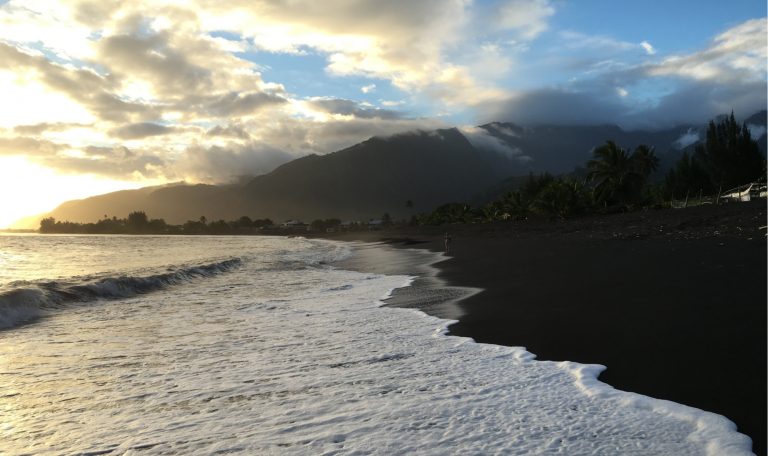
[[673, 302]]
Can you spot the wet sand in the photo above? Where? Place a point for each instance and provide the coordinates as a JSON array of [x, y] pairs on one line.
[[673, 302]]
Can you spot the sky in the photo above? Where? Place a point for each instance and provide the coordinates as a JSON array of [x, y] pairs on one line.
[[103, 95]]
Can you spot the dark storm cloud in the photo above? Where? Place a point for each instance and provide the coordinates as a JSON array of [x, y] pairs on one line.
[[702, 101], [554, 106]]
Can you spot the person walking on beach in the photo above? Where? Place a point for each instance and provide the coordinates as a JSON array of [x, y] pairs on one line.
[[447, 243]]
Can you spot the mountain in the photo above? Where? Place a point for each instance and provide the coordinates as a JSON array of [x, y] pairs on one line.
[[358, 183], [380, 175], [176, 202]]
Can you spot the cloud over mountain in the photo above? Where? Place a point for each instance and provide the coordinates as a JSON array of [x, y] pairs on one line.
[[186, 87]]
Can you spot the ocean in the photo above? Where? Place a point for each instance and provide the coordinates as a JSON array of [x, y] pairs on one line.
[[268, 345]]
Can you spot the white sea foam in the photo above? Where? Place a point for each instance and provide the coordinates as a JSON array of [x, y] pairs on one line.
[[285, 355]]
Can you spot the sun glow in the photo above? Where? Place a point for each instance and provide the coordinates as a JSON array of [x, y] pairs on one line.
[[23, 96], [27, 189]]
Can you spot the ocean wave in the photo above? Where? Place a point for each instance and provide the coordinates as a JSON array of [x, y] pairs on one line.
[[32, 300]]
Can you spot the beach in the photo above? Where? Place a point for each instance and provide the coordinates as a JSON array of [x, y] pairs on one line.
[[263, 345], [673, 302]]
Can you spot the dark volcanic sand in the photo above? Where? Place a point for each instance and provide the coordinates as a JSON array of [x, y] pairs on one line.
[[673, 302]]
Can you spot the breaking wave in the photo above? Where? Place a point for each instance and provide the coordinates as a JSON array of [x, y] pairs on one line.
[[29, 301]]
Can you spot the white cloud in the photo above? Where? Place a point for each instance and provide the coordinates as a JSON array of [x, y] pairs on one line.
[[577, 40], [647, 48], [154, 75], [729, 74], [756, 131], [686, 139], [737, 54], [483, 139], [528, 18]]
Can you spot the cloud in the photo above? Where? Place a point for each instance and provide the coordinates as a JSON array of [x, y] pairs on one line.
[[232, 131], [352, 108], [128, 165], [115, 162], [528, 18], [686, 139], [23, 145], [648, 48], [81, 85], [577, 40], [176, 81], [38, 128], [700, 101], [151, 57], [238, 104], [605, 44], [141, 130], [738, 54], [218, 164], [302, 136], [693, 88], [554, 106], [483, 139], [756, 131], [413, 45]]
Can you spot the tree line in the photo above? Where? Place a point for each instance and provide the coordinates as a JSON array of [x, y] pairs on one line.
[[138, 222]]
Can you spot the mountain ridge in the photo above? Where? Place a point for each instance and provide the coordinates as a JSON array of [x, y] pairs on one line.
[[380, 174]]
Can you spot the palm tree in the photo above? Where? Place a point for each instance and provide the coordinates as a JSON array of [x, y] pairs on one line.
[[609, 168], [620, 178], [645, 160]]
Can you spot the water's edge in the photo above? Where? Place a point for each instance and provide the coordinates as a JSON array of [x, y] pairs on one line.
[[430, 294]]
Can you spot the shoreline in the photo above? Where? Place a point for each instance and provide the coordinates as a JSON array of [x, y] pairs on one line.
[[427, 292], [678, 317]]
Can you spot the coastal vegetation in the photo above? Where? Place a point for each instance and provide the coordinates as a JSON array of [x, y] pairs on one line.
[[729, 157], [139, 223], [618, 181]]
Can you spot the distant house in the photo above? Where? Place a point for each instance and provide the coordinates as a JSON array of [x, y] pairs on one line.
[[375, 224], [746, 192]]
